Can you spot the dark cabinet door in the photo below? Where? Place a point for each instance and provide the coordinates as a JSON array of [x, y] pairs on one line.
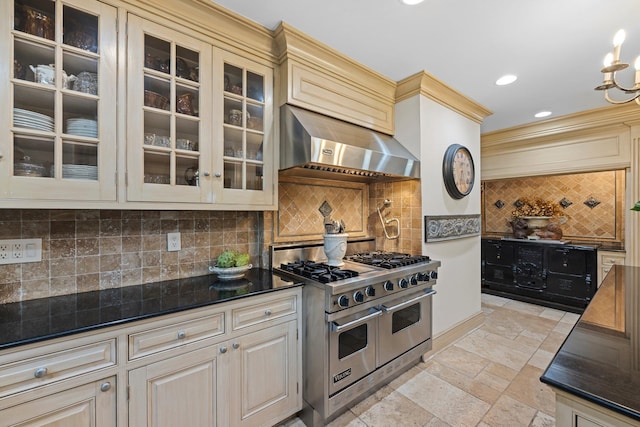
[[568, 260], [497, 252], [529, 266]]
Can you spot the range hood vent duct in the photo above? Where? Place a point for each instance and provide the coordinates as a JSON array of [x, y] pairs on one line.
[[317, 146]]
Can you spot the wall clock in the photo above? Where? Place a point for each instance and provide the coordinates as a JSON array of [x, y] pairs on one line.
[[458, 171]]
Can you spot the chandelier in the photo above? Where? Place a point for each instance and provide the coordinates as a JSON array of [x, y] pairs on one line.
[[612, 65]]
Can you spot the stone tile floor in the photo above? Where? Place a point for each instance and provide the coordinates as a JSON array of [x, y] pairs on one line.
[[487, 378]]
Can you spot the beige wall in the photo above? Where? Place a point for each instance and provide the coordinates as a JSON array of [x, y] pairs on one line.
[[602, 223]]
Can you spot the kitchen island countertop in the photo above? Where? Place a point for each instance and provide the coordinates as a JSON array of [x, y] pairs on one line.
[[600, 359], [41, 319]]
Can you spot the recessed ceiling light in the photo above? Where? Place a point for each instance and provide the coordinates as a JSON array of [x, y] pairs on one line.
[[412, 2], [506, 79], [543, 114]]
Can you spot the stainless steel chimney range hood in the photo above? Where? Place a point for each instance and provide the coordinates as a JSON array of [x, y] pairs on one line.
[[316, 146]]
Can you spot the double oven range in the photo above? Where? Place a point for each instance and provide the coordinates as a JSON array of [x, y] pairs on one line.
[[364, 322]]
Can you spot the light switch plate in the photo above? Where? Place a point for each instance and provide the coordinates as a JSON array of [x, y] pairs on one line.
[[173, 242]]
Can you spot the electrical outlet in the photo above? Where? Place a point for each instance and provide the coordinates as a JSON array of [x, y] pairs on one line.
[[173, 242], [18, 251]]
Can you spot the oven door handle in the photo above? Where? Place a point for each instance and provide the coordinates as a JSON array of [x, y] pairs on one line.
[[386, 309], [337, 328]]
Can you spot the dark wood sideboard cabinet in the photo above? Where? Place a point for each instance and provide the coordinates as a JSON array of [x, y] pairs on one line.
[[556, 275]]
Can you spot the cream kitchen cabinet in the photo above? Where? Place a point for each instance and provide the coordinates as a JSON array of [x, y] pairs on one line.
[[91, 404], [248, 376], [70, 382], [606, 260], [572, 411], [199, 121], [58, 105]]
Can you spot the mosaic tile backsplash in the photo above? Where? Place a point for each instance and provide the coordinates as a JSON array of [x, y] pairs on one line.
[[592, 202], [90, 250], [298, 217], [85, 250]]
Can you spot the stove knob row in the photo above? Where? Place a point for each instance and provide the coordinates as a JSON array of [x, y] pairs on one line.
[[370, 291], [423, 277], [403, 283], [413, 280], [343, 301], [434, 274], [388, 285]]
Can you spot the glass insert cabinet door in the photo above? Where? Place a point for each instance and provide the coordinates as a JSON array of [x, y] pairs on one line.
[[60, 105], [169, 107], [246, 114]]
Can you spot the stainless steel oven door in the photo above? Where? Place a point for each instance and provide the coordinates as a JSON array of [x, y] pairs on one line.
[[352, 348], [404, 323]]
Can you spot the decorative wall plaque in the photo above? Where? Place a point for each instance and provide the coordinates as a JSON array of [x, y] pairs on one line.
[[448, 227]]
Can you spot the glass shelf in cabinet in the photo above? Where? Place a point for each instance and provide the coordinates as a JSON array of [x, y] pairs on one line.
[[33, 156], [36, 18], [255, 86], [156, 54], [157, 167], [28, 52], [80, 29]]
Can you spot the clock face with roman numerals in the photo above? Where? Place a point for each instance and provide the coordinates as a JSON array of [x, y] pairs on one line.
[[458, 171]]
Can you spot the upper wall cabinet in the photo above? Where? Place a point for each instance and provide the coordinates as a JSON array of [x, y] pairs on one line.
[[58, 103], [169, 142], [198, 122]]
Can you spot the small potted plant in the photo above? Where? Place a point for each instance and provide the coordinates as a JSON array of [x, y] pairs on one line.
[[231, 265]]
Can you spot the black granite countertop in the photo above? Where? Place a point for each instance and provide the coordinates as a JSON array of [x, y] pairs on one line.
[[600, 245], [600, 359], [40, 319]]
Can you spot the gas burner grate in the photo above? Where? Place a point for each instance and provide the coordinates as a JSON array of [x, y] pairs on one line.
[[387, 259], [318, 271]]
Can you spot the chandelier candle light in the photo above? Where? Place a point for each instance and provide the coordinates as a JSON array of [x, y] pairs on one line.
[[612, 64]]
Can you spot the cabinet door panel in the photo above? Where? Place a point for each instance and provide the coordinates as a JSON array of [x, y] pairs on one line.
[[60, 140], [83, 406], [266, 388], [180, 391], [168, 115], [243, 128]]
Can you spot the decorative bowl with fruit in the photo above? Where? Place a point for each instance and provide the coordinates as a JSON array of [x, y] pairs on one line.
[[231, 265]]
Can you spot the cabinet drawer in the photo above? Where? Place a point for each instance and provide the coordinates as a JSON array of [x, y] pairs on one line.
[[257, 313], [167, 337], [48, 366]]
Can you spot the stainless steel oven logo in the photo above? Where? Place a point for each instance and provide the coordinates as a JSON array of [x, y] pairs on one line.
[[327, 151], [342, 375]]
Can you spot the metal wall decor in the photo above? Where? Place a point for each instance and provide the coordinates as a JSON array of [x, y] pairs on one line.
[[448, 227], [591, 202], [565, 203], [499, 204], [518, 203]]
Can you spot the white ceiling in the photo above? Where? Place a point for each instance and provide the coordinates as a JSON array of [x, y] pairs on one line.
[[555, 47]]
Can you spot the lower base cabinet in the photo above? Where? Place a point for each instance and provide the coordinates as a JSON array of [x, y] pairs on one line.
[[575, 412], [92, 404], [242, 382]]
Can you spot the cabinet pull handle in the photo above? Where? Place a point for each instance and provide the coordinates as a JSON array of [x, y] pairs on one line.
[[223, 350], [235, 345], [217, 174], [182, 335], [105, 386], [267, 312], [206, 173], [40, 373]]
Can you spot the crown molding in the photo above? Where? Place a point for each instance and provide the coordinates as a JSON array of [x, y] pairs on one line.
[[425, 84], [239, 34], [293, 44], [583, 122]]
